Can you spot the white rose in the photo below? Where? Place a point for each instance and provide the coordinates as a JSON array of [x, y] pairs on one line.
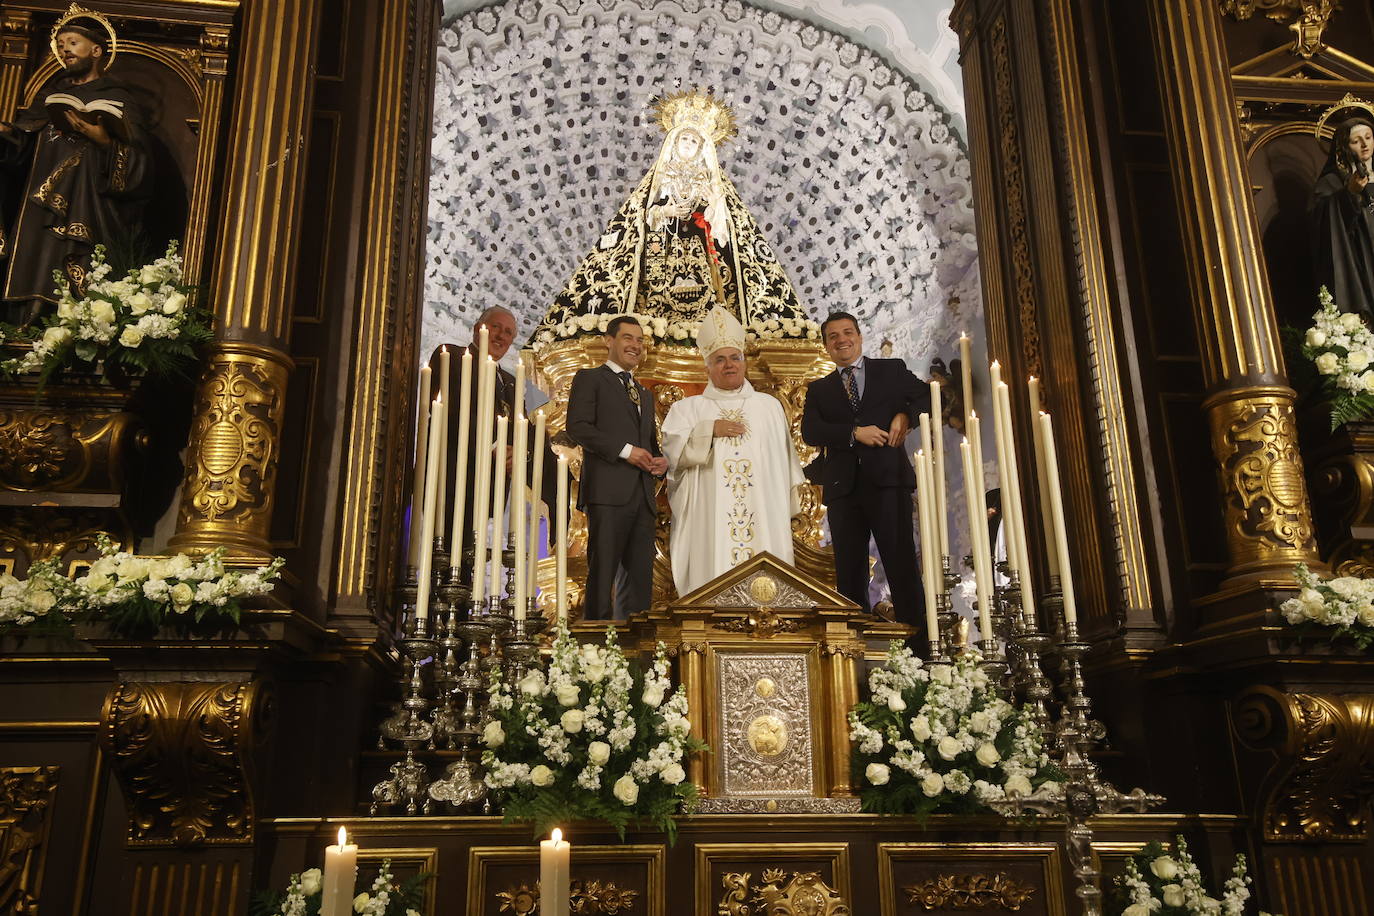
[[493, 735], [941, 674], [131, 337], [42, 600], [360, 903], [572, 721], [182, 595], [310, 881], [920, 728], [140, 303], [1164, 868], [1172, 894], [532, 683], [653, 694], [896, 703], [55, 337], [64, 308], [1328, 363], [987, 754], [673, 774], [1366, 615], [598, 752], [878, 774], [933, 785], [102, 312], [1357, 360], [594, 671], [626, 789], [567, 694], [1350, 322], [1018, 784], [175, 303], [1316, 337], [1136, 909], [948, 747], [541, 776]]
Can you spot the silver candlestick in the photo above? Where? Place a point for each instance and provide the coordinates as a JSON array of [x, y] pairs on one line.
[[409, 776]]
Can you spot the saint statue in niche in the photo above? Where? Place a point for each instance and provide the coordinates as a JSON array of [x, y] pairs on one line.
[[683, 240], [1342, 208]]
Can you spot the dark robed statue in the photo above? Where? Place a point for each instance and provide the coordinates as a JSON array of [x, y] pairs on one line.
[[1342, 209], [79, 156]]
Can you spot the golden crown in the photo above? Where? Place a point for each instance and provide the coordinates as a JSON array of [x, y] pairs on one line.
[[76, 11], [692, 108], [1350, 100]]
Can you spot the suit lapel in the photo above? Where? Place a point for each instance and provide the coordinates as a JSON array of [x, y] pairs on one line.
[[625, 395]]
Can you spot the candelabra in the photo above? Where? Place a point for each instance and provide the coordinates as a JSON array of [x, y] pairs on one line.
[[461, 783], [945, 644], [409, 727]]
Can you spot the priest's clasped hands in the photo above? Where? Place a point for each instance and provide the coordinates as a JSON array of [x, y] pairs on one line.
[[876, 436], [642, 459], [728, 429]]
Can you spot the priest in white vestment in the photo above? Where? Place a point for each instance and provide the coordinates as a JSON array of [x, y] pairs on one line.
[[733, 472]]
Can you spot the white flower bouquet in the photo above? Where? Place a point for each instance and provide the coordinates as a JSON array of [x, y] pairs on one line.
[[676, 333], [1341, 346], [35, 603], [590, 737], [938, 739], [144, 322], [386, 897], [1342, 607], [1157, 881]]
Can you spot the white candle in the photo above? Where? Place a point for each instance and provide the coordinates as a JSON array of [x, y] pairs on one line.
[[481, 492], [498, 508], [555, 889], [434, 473], [417, 496], [966, 371], [1004, 469], [1011, 502], [460, 486], [518, 503], [929, 563], [937, 416], [340, 875], [977, 518], [536, 498], [1061, 537], [441, 501], [1042, 483], [561, 542]]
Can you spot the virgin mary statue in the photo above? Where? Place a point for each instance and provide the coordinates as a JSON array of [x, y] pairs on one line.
[[684, 240]]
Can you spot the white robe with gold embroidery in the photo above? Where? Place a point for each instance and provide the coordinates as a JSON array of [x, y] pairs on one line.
[[731, 497]]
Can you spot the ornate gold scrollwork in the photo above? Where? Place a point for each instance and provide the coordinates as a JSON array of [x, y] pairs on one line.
[[1321, 787], [184, 755], [47, 449], [41, 533], [233, 452], [1306, 19], [970, 892], [589, 898], [803, 894], [26, 797], [1268, 518]]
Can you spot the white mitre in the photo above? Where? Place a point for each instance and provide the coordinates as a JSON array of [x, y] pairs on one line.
[[719, 329]]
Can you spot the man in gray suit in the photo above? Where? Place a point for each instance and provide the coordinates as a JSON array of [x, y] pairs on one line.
[[612, 417]]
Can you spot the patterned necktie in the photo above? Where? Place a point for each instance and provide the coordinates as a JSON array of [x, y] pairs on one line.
[[631, 389], [851, 387]]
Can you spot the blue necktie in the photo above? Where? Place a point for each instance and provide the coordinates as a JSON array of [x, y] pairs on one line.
[[851, 387]]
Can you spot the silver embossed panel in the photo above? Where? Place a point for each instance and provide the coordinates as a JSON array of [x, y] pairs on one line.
[[765, 727]]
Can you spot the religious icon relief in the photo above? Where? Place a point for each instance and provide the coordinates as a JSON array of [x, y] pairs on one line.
[[765, 733]]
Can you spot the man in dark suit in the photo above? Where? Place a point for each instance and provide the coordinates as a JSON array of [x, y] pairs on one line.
[[858, 416], [612, 417], [500, 325]]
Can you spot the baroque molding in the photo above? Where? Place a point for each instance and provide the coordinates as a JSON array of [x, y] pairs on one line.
[[970, 892], [1322, 784], [781, 894], [26, 798], [184, 756], [1306, 19], [590, 897]]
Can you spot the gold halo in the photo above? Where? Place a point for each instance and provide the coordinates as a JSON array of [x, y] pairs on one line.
[[1350, 100], [708, 114], [76, 11]]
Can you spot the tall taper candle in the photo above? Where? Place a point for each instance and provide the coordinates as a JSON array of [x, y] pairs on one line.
[[966, 371], [1061, 535], [498, 491], [561, 542], [340, 876], [1011, 500], [434, 472], [937, 455], [977, 519], [1042, 483], [441, 501], [518, 503], [460, 485], [536, 498], [1005, 472], [930, 562], [417, 496]]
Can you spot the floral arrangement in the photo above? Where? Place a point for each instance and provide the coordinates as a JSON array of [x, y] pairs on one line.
[[938, 738], [304, 894], [135, 595], [590, 738], [144, 322], [1341, 346], [679, 333], [1156, 881], [1344, 606]]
